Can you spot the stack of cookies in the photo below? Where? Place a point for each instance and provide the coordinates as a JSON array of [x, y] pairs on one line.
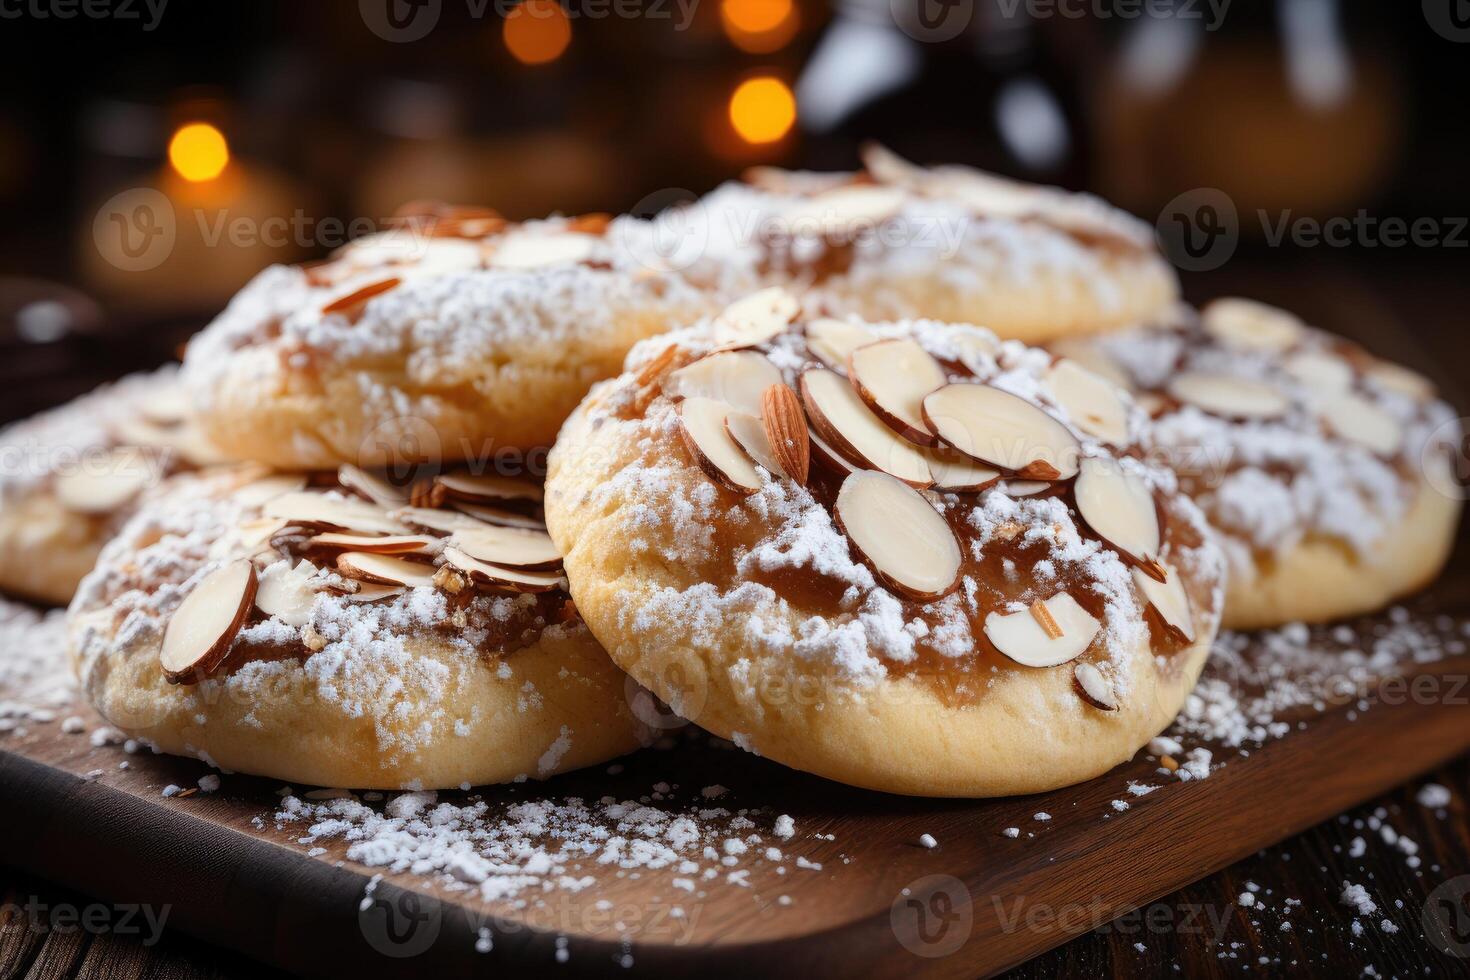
[[445, 509]]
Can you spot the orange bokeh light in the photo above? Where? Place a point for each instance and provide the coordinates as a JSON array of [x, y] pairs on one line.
[[762, 110], [537, 31], [198, 152], [759, 26]]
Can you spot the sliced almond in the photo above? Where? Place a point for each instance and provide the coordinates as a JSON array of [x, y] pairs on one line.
[[259, 532], [198, 635], [829, 457], [737, 378], [385, 569], [892, 377], [508, 579], [1320, 372], [1169, 602], [1021, 636], [1094, 688], [374, 592], [391, 544], [899, 534], [167, 405], [286, 593], [1118, 506], [756, 319], [257, 493], [750, 435], [1401, 380], [958, 473], [487, 487], [1354, 418], [842, 418], [831, 341], [786, 431], [702, 425], [1025, 488], [352, 304], [1002, 430], [1228, 397], [508, 547], [1089, 353], [535, 249], [101, 485], [312, 509], [372, 486], [498, 516], [1094, 404], [434, 519], [1247, 323], [842, 209]]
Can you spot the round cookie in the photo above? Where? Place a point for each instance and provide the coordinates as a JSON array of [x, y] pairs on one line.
[[74, 474], [951, 243], [453, 336], [980, 640], [291, 627], [1324, 468]]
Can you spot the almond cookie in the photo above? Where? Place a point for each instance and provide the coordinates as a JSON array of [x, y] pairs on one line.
[[951, 243], [905, 556], [347, 632], [450, 337], [72, 476], [1325, 469]]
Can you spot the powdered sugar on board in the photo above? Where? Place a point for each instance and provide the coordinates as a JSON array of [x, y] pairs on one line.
[[36, 683]]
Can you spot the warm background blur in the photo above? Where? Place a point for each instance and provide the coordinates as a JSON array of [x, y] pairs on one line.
[[327, 115]]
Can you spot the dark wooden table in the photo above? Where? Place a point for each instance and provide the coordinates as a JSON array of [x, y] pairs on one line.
[[1402, 310]]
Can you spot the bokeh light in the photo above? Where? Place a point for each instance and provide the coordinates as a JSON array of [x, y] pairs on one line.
[[759, 26], [762, 110], [537, 31], [198, 152]]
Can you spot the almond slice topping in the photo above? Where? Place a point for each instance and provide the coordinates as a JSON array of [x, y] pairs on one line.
[[508, 547], [256, 493], [372, 486], [842, 209], [1356, 419], [737, 378], [1002, 430], [285, 593], [392, 544], [198, 635], [892, 377], [102, 485], [1168, 602], [508, 579], [313, 509], [829, 457], [1118, 506], [1228, 397], [1401, 380], [487, 487], [351, 305], [1025, 488], [750, 435], [497, 516], [433, 519], [844, 421], [533, 249], [1090, 354], [1022, 637], [756, 319], [958, 473], [385, 569], [702, 424], [1247, 323], [1092, 687], [832, 341], [374, 592], [899, 534], [1319, 372], [1093, 403], [786, 431]]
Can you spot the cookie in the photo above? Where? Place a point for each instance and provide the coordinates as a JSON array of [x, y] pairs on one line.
[[905, 556], [1325, 469], [348, 632], [74, 474], [455, 336], [895, 240]]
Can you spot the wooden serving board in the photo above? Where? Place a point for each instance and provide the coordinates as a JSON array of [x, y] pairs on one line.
[[882, 904]]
